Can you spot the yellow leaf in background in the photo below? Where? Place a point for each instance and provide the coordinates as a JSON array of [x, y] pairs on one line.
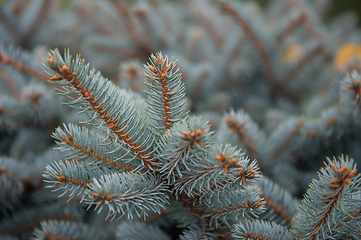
[[345, 53], [293, 53]]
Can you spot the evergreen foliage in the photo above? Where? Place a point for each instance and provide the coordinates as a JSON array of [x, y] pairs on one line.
[[168, 162]]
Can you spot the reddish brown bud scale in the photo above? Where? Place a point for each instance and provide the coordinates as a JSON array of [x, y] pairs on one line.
[[232, 160], [152, 69], [3, 169], [198, 133], [4, 58], [250, 171], [108, 197], [70, 137], [345, 170], [55, 78], [64, 70], [353, 173]]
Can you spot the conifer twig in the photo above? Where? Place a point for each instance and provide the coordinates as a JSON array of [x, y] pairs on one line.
[[71, 77], [291, 26], [302, 63], [287, 140], [90, 152], [131, 29], [260, 47], [22, 67], [11, 85]]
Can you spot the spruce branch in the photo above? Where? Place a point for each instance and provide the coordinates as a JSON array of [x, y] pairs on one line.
[[21, 66], [286, 80], [255, 229], [68, 230], [108, 103], [280, 205], [179, 143], [125, 193], [131, 28], [221, 167], [292, 129], [71, 177], [291, 26], [325, 197], [270, 74], [248, 133], [167, 102], [80, 142]]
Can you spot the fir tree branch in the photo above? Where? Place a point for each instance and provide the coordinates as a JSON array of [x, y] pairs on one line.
[[222, 167], [196, 37], [257, 230], [249, 134], [10, 84], [325, 196], [239, 204], [168, 91], [260, 47], [131, 29], [287, 140], [127, 193], [179, 143], [291, 26], [286, 80], [70, 176], [68, 230], [22, 67], [80, 82], [81, 139], [28, 218], [279, 202]]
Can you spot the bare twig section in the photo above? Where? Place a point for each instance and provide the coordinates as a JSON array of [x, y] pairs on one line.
[[260, 47], [131, 29], [10, 84], [277, 209], [291, 26], [5, 59], [301, 64], [196, 37], [287, 140]]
